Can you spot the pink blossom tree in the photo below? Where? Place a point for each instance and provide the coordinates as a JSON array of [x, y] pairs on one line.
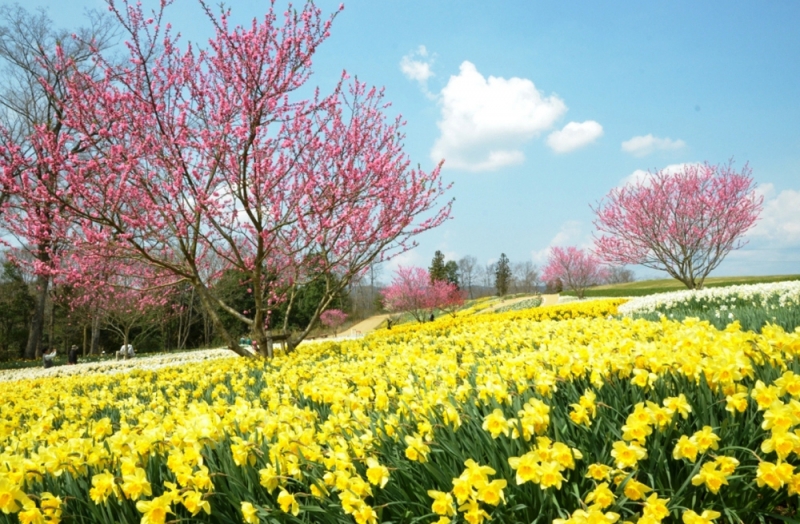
[[182, 156], [333, 318], [446, 296], [684, 223], [576, 268], [413, 292]]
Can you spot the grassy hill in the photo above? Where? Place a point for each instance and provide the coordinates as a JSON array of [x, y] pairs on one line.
[[649, 287]]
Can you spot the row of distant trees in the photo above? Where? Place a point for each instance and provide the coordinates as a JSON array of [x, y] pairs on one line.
[[176, 321], [446, 284], [502, 277], [499, 277]]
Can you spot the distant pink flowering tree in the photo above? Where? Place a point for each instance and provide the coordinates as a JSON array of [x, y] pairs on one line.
[[413, 292], [123, 296], [446, 296], [684, 223], [577, 269], [407, 292], [333, 318], [197, 161]]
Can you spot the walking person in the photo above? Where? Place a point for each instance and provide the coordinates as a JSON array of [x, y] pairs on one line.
[[49, 357], [72, 355]]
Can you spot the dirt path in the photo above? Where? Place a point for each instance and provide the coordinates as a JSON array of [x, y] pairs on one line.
[[504, 303], [370, 324], [367, 325], [549, 300]]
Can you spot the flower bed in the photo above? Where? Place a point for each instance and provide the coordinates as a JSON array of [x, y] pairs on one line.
[[525, 304], [111, 367], [514, 416], [753, 306]]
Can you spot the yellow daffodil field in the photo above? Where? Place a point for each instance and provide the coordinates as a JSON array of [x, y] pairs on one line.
[[567, 414]]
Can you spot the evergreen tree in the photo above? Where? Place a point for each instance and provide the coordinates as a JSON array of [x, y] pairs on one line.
[[438, 269], [451, 272], [502, 275]]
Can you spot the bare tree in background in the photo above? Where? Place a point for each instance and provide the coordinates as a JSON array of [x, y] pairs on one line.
[[467, 273], [620, 275], [489, 276], [364, 292], [525, 277], [480, 277], [28, 44]]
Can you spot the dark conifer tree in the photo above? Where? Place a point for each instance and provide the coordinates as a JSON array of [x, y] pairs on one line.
[[451, 272], [438, 270], [502, 275]]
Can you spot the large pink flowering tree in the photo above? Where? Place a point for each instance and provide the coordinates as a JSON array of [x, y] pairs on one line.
[[184, 156], [412, 291], [684, 223], [576, 268]]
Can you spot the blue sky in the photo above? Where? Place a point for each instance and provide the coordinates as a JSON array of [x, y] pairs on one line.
[[567, 100]]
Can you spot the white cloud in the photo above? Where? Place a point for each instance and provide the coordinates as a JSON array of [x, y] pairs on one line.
[[450, 255], [641, 175], [408, 259], [766, 190], [574, 136], [644, 145], [773, 246], [417, 66], [780, 220], [485, 121], [571, 233]]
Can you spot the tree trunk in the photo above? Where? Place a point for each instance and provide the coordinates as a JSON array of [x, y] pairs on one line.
[[51, 335], [33, 348], [185, 327], [206, 329], [94, 350], [205, 300], [126, 340]]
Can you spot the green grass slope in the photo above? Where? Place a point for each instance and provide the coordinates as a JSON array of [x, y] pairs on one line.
[[649, 287]]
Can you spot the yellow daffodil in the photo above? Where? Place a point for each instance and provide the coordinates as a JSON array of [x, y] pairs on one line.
[[155, 511], [249, 513], [442, 503], [627, 455], [690, 517]]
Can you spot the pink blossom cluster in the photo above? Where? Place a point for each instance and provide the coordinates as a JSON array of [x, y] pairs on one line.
[[333, 318], [577, 268], [412, 291]]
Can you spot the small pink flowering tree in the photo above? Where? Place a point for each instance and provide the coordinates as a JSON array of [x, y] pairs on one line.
[[333, 318], [684, 223], [407, 292], [446, 296], [576, 268], [411, 291]]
